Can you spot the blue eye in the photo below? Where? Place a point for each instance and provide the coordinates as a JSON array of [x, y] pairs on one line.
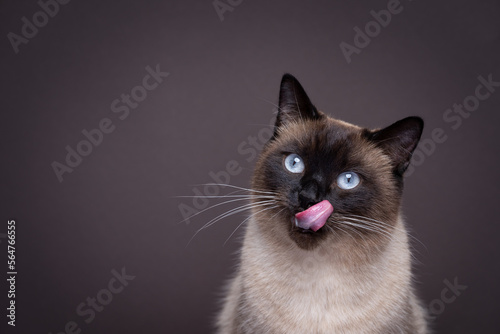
[[348, 180], [294, 163]]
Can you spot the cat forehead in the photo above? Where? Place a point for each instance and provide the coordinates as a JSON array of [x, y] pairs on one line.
[[330, 140], [327, 131]]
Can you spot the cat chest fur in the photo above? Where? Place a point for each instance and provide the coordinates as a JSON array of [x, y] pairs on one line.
[[307, 292]]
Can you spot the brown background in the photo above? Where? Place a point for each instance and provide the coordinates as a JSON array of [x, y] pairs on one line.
[[118, 208]]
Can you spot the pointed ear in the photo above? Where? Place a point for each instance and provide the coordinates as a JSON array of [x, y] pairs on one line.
[[399, 140], [294, 104]]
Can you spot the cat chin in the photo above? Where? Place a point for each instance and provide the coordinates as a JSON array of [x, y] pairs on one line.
[[284, 221], [307, 239], [306, 242]]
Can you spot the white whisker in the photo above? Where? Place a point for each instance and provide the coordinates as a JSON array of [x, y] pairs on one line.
[[211, 207], [230, 213], [368, 228], [240, 188], [235, 211], [227, 196], [246, 219], [389, 226], [345, 232], [351, 228]]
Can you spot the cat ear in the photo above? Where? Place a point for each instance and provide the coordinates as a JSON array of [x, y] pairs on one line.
[[399, 140], [294, 104]]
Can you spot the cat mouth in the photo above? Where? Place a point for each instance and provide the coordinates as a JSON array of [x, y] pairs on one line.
[[315, 217]]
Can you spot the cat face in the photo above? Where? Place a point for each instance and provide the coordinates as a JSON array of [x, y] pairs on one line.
[[315, 163]]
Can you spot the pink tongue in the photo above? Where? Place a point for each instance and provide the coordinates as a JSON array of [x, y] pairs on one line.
[[315, 217]]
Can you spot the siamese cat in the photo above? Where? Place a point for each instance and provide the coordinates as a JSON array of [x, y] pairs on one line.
[[326, 249]]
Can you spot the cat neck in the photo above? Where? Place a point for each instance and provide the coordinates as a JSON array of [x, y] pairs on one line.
[[312, 285], [341, 259]]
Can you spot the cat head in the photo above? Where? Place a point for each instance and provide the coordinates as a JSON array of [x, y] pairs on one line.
[[331, 179]]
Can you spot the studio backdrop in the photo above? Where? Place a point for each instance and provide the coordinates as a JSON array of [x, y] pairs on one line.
[[114, 114]]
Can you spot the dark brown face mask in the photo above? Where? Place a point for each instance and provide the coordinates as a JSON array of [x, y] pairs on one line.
[[328, 173]]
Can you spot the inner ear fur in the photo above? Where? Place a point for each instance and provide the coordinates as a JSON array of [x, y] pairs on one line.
[[399, 140], [294, 104]]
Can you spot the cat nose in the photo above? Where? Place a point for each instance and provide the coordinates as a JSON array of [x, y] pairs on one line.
[[306, 203], [307, 198]]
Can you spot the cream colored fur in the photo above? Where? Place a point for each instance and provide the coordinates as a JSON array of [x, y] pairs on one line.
[[281, 288]]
